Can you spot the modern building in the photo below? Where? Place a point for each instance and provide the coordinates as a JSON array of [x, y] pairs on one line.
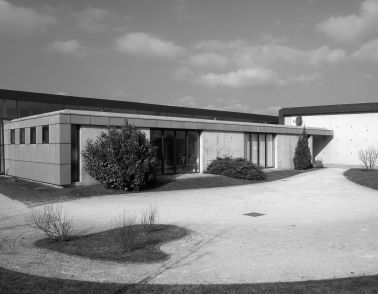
[[17, 104], [47, 146], [354, 126]]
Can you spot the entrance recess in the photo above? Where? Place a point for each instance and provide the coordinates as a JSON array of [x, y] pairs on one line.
[[177, 151]]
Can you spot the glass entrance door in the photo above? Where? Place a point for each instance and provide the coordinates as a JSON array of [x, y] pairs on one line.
[[177, 151]]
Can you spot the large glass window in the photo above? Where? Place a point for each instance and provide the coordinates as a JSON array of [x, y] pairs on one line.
[[258, 148], [177, 151], [193, 152], [181, 155], [8, 109], [169, 152], [26, 108], [156, 140]]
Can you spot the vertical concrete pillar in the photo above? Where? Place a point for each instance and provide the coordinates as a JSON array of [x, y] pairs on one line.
[[247, 146], [269, 150], [201, 152], [254, 143], [262, 150]]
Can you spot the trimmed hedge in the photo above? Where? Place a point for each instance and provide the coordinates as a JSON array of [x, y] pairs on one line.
[[120, 159], [238, 168]]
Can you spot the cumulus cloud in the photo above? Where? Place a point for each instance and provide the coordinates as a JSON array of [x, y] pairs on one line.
[[208, 59], [354, 26], [148, 45], [239, 79], [93, 20], [325, 55], [300, 79], [17, 21], [246, 54], [368, 52], [70, 48]]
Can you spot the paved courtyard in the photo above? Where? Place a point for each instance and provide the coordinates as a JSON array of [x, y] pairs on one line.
[[315, 225]]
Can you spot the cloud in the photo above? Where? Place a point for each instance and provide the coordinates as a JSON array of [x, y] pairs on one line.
[[353, 27], [368, 52], [148, 45], [325, 55], [245, 54], [16, 21], [93, 20], [207, 59], [69, 48], [239, 79], [300, 79]]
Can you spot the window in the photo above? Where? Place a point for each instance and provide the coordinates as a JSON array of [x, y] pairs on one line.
[[13, 136], [33, 135], [22, 136], [45, 134]]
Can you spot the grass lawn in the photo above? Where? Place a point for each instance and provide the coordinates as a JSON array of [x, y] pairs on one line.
[[14, 282], [105, 245], [32, 193], [363, 177]]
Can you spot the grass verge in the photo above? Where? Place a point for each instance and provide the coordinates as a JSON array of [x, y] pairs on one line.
[[105, 245], [363, 177], [15, 282], [33, 193]]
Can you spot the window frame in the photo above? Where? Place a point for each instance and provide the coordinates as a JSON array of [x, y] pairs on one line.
[[44, 139], [22, 135], [33, 135], [12, 135]]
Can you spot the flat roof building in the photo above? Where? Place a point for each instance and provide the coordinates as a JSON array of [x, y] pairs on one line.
[[355, 128], [17, 104]]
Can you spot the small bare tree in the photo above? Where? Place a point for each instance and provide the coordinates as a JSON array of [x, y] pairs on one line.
[[53, 222], [149, 218], [127, 231], [368, 157]]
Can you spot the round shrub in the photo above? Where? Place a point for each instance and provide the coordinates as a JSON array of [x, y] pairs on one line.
[[236, 168], [318, 164], [120, 158]]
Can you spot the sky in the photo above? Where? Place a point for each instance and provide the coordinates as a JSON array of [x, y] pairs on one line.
[[253, 56]]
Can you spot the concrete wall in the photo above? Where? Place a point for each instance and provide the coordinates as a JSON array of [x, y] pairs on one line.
[[220, 144], [351, 133], [285, 150], [50, 163]]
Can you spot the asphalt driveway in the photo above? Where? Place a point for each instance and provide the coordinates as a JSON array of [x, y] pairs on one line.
[[315, 225]]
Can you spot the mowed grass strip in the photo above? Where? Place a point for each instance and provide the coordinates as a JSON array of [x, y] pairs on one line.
[[105, 245], [15, 282], [363, 177], [33, 193]]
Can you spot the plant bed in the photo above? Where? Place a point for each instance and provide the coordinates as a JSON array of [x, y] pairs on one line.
[[363, 177], [105, 245]]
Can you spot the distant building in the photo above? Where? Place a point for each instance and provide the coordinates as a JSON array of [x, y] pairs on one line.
[[354, 126]]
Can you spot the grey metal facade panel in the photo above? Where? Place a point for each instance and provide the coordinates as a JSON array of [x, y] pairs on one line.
[[134, 107], [328, 109], [142, 121]]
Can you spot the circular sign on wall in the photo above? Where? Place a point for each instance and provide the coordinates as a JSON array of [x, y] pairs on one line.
[[299, 121]]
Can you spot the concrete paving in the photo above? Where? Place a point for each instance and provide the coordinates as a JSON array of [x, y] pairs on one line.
[[316, 225]]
